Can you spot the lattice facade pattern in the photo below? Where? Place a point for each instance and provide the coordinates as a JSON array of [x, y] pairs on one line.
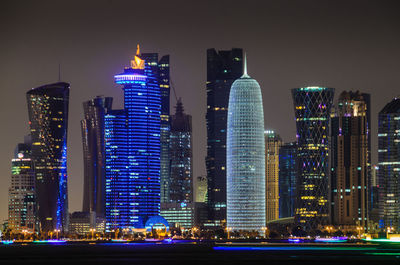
[[312, 107], [245, 157]]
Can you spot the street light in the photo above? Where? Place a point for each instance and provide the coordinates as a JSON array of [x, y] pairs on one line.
[[265, 231], [329, 229], [92, 230], [24, 232], [228, 229], [388, 230], [116, 233], [194, 230], [57, 231], [359, 231]]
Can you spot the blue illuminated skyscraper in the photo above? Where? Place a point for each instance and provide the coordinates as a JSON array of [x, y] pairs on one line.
[[158, 70], [245, 157], [312, 106], [389, 164], [132, 138], [48, 119]]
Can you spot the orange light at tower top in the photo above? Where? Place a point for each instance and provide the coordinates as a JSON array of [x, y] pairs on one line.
[[137, 62]]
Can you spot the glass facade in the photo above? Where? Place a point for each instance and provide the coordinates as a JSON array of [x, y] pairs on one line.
[[245, 157], [389, 164], [48, 119], [179, 214], [21, 194], [117, 179], [349, 160], [287, 179], [133, 150], [159, 70], [81, 223], [181, 175], [223, 68], [312, 106], [94, 154]]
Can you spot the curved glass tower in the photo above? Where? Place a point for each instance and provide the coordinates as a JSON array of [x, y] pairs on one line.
[[93, 154], [48, 120], [245, 157]]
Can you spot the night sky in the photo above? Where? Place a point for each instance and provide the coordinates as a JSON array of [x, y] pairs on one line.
[[341, 44]]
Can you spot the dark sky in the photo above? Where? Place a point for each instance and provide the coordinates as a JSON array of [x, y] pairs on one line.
[[341, 44]]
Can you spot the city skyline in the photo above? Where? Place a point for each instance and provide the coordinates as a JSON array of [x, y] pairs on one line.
[[280, 61]]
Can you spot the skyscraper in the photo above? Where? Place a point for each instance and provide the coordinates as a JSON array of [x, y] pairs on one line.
[[245, 157], [132, 137], [287, 179], [160, 71], [389, 164], [223, 68], [48, 119], [21, 194], [94, 154], [349, 160], [118, 208], [180, 208], [273, 143], [181, 180], [312, 107]]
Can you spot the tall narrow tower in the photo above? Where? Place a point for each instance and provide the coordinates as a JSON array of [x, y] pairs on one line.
[[349, 160], [287, 179], [158, 70], [273, 144], [132, 138], [94, 154], [312, 106], [223, 68], [389, 164], [245, 156], [181, 181], [48, 119], [21, 194]]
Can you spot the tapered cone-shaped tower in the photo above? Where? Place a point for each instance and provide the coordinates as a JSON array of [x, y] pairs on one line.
[[245, 156]]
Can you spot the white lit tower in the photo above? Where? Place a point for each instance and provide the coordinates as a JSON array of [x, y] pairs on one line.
[[245, 156]]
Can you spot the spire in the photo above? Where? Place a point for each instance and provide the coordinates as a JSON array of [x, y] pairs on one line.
[[245, 75], [179, 107], [138, 50], [137, 62]]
